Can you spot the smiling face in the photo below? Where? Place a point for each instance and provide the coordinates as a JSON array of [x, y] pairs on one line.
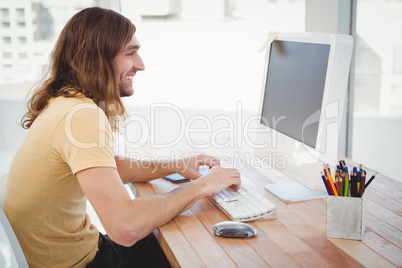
[[127, 62]]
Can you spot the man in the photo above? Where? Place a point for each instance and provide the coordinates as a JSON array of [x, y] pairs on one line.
[[67, 158]]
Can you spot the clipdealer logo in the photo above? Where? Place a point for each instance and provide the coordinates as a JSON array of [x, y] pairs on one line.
[[199, 131], [219, 131]]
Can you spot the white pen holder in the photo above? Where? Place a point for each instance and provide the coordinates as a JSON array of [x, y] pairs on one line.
[[345, 217]]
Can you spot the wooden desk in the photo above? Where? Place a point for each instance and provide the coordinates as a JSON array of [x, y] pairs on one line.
[[296, 238]]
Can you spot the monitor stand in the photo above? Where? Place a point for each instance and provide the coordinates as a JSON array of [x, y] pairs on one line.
[[293, 192]]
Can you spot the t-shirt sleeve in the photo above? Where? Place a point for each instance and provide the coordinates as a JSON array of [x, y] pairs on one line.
[[84, 139]]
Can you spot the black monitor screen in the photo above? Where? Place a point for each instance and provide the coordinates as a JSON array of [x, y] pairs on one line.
[[294, 89]]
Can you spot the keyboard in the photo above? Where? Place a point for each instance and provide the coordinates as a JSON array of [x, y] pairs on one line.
[[244, 205]]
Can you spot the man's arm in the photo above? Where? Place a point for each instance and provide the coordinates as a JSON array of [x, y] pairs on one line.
[[126, 221], [143, 171]]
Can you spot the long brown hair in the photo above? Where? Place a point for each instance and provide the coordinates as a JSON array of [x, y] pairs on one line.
[[82, 63]]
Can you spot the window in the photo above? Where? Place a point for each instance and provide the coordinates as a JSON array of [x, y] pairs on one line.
[[4, 13], [5, 24], [7, 55], [377, 115], [6, 40], [23, 55], [22, 40], [20, 12], [205, 32]]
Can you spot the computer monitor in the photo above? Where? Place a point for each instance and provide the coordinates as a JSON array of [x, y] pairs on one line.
[[303, 95]]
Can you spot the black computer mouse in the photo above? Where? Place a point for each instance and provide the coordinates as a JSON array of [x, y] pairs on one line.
[[234, 229]]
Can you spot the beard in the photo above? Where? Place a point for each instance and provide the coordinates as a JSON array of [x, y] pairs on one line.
[[125, 90]]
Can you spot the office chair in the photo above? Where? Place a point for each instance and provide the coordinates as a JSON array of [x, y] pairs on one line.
[[11, 254], [3, 184]]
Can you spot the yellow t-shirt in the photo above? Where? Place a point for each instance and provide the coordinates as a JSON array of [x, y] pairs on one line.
[[44, 201]]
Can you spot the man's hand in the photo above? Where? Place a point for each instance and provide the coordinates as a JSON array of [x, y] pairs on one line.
[[189, 167], [218, 178]]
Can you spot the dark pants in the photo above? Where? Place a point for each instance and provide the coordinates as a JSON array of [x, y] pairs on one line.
[[145, 253]]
